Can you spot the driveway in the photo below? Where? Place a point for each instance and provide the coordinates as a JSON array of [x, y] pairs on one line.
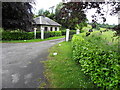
[[21, 67]]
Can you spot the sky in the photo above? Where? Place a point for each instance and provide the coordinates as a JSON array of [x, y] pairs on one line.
[[46, 4]]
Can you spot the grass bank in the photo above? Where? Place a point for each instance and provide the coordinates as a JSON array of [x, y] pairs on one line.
[[32, 40], [62, 71]]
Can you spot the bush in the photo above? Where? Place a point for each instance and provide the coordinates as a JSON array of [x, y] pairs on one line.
[[103, 66], [38, 34], [55, 33], [17, 35], [72, 32], [1, 30], [63, 32], [46, 34]]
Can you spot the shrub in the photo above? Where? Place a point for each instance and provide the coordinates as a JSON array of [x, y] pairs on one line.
[[46, 34], [1, 30], [17, 35], [72, 32], [38, 34], [103, 66], [55, 33], [63, 32]]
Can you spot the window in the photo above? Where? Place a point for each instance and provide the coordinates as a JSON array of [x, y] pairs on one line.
[[46, 28], [55, 28], [50, 28]]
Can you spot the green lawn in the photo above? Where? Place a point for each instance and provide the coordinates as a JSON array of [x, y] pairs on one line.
[[62, 72], [32, 40]]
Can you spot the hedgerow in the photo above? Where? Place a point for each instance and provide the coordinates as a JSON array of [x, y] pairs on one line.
[[18, 35], [55, 33], [103, 66]]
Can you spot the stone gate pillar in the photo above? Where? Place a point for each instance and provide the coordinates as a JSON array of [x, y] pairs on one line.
[[42, 33], [67, 35]]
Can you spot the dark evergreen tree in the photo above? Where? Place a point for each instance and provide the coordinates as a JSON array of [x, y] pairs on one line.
[[17, 15]]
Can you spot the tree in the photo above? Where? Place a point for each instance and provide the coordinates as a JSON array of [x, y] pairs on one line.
[[117, 29], [70, 15], [52, 8], [57, 11], [17, 15], [40, 12], [46, 13], [81, 25], [74, 12]]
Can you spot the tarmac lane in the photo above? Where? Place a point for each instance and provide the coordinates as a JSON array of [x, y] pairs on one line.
[[21, 67]]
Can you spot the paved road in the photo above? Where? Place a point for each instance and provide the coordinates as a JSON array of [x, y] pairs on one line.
[[21, 67]]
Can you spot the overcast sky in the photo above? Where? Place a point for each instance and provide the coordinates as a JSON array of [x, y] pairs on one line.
[[46, 4]]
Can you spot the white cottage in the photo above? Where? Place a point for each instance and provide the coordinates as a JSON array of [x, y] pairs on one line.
[[46, 23]]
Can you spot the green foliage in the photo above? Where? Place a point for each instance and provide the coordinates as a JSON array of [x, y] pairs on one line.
[[41, 12], [72, 32], [63, 32], [19, 15], [117, 29], [55, 33], [81, 25], [31, 40], [38, 34], [71, 14], [85, 28], [18, 35], [97, 59], [99, 26], [48, 34], [46, 13], [1, 30]]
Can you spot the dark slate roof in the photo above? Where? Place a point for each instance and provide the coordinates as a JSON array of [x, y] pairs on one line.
[[42, 20]]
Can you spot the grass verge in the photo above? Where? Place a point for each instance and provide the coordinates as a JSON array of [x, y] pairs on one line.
[[32, 40], [62, 71]]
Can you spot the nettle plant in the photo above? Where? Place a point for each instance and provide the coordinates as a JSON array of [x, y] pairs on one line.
[[102, 66]]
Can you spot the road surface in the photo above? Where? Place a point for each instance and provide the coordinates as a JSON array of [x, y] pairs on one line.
[[21, 67]]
